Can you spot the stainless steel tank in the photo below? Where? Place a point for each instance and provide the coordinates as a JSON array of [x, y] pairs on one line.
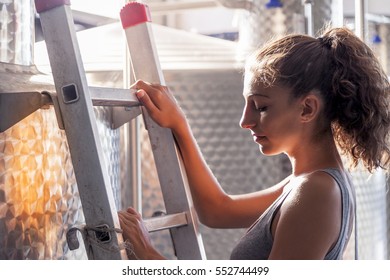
[[17, 31], [261, 24]]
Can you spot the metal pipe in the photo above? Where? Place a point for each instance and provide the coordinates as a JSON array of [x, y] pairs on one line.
[[135, 163], [360, 18], [174, 7], [380, 19], [308, 5], [132, 144], [337, 13]]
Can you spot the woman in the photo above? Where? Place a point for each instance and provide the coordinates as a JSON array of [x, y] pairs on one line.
[[312, 99]]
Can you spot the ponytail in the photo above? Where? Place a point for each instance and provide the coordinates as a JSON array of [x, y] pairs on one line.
[[360, 104]]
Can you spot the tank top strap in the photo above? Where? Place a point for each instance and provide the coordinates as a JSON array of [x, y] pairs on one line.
[[342, 181]]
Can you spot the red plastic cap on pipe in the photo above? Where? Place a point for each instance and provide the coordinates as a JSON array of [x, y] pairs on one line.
[[134, 13], [44, 5]]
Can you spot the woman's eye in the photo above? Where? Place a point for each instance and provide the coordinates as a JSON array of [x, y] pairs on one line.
[[259, 107], [262, 109]]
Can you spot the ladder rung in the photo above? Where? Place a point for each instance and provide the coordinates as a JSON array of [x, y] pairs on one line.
[[166, 222], [101, 96], [113, 97]]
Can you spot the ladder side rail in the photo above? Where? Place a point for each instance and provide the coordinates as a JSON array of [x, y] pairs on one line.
[[81, 131], [171, 173]]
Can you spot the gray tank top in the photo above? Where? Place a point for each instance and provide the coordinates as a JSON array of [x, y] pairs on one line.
[[256, 244]]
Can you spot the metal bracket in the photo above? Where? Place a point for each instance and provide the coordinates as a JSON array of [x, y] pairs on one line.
[[122, 115], [124, 103], [15, 106], [55, 102]]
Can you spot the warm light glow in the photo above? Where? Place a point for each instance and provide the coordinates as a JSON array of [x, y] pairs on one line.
[[39, 189]]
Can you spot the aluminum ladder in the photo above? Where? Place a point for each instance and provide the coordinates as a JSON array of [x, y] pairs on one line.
[[73, 102]]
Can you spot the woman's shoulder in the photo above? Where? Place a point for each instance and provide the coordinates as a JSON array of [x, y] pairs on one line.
[[315, 189], [309, 221]]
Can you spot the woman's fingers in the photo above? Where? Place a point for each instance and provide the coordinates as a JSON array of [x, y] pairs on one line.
[[160, 104], [156, 94], [139, 84], [154, 91], [149, 96], [126, 221], [145, 100], [131, 210], [129, 223]]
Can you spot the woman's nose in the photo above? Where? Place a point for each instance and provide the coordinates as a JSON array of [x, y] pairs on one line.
[[246, 121]]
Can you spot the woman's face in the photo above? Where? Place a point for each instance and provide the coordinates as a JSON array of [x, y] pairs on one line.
[[272, 116]]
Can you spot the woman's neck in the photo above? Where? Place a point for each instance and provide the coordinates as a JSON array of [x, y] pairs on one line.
[[315, 155]]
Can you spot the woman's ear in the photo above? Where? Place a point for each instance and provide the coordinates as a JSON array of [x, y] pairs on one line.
[[310, 105]]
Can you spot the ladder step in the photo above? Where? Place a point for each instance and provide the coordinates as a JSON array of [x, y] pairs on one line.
[[166, 222], [100, 96], [113, 97]]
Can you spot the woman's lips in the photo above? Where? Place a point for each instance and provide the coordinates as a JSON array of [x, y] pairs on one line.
[[259, 138]]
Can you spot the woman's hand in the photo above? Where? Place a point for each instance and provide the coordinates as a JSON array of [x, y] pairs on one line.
[[135, 232], [161, 105]]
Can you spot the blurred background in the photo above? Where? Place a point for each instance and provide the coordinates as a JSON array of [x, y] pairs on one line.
[[202, 47]]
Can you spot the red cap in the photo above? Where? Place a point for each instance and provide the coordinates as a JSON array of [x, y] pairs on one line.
[[134, 13], [44, 5]]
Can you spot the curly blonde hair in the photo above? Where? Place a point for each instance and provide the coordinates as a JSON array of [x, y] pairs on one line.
[[350, 79]]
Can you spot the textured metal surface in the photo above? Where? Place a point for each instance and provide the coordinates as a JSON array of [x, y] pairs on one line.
[[16, 42], [111, 149], [39, 199], [371, 214], [322, 14], [260, 25], [383, 53]]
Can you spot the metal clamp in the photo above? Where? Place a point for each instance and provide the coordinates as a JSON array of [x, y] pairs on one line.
[[71, 237], [100, 234]]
